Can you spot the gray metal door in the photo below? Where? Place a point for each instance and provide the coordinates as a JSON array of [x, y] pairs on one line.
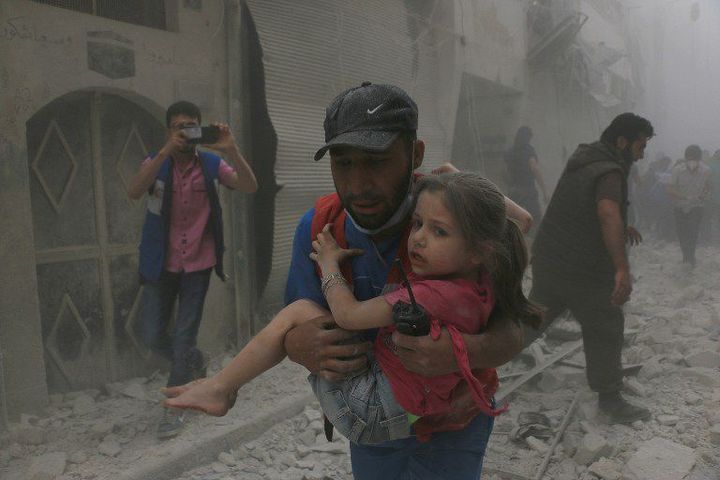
[[82, 150]]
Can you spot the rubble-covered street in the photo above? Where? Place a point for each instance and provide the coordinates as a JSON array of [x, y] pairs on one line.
[[672, 332]]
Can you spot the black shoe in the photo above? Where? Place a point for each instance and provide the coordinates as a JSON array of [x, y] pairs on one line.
[[620, 410], [171, 424]]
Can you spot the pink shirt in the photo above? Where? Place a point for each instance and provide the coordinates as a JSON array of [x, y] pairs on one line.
[[191, 246], [461, 306]]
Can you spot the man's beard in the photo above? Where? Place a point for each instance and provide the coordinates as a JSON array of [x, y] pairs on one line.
[[372, 222]]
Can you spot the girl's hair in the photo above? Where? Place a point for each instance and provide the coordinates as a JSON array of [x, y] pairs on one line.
[[479, 209]]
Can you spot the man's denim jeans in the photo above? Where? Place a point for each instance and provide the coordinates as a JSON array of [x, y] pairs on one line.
[[177, 346], [456, 455]]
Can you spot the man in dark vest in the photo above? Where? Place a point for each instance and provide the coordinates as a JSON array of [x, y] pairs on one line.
[[182, 239], [579, 258]]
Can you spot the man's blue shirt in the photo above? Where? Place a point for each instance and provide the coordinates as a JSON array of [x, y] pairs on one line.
[[370, 270]]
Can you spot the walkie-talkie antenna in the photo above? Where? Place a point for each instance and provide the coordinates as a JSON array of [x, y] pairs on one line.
[[407, 282]]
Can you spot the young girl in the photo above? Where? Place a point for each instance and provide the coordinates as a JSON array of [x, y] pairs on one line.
[[468, 261]]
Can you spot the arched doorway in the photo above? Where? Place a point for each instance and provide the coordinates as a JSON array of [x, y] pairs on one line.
[[83, 148]]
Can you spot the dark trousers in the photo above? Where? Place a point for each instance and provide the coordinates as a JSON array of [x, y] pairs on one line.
[[602, 323], [177, 346], [687, 225]]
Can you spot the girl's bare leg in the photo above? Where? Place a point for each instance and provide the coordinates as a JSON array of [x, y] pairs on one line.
[[216, 395]]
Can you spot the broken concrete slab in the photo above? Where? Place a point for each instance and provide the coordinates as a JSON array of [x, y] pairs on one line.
[[606, 469], [83, 404], [706, 359], [660, 459], [591, 448], [705, 376], [668, 420], [48, 466], [715, 434]]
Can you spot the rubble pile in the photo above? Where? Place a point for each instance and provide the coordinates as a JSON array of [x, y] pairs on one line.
[[672, 367], [97, 434]]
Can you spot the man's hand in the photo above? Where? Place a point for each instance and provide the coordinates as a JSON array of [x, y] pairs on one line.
[[632, 236], [176, 142], [226, 140], [426, 356], [445, 168], [623, 288], [315, 346]]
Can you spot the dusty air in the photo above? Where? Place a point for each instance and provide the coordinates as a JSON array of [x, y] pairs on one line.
[[360, 240]]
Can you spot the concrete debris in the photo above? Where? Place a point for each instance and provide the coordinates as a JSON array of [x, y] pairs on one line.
[[637, 388], [537, 444], [109, 447], [227, 459], [29, 435], [706, 359], [591, 448], [667, 420], [715, 434], [78, 458], [704, 376], [83, 404], [660, 459], [136, 391], [606, 469], [48, 466]]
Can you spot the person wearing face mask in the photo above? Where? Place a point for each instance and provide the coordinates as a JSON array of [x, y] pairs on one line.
[[689, 188], [580, 261]]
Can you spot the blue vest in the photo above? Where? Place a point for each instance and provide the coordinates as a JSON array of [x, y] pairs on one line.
[[156, 229]]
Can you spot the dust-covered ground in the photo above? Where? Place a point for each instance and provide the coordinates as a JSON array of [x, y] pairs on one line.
[[672, 331]]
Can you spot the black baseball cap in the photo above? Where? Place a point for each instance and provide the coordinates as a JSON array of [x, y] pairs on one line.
[[369, 117]]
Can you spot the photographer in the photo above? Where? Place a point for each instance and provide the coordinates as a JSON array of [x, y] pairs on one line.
[[182, 238]]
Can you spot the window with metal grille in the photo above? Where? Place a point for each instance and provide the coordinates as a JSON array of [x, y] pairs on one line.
[[149, 13]]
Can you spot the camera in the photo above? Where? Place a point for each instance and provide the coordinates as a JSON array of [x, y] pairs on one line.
[[196, 134]]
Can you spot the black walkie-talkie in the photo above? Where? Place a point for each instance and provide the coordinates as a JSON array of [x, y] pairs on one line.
[[410, 318]]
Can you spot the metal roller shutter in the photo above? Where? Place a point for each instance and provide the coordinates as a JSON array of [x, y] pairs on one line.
[[312, 51]]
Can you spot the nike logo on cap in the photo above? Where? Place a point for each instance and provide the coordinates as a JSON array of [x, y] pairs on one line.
[[370, 112]]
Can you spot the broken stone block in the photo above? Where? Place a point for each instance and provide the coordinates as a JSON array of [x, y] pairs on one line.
[[109, 447], [317, 426], [101, 428], [605, 469], [692, 398], [226, 459], [47, 466], [592, 447], [636, 387], [30, 435], [302, 451], [312, 414], [570, 442], [83, 404], [537, 444], [706, 359], [651, 369], [715, 434], [136, 391], [704, 376], [660, 459], [218, 467], [307, 437], [667, 420], [78, 458], [550, 382]]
